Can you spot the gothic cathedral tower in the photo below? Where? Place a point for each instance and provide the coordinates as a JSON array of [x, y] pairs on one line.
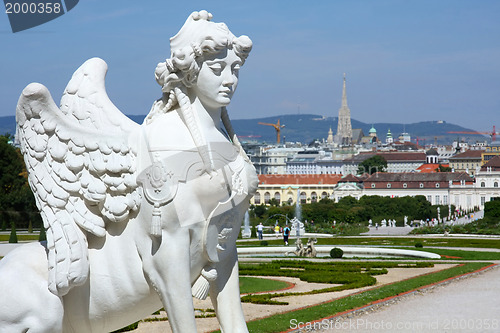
[[344, 128]]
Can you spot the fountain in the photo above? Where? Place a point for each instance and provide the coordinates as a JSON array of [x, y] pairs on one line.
[[297, 225], [246, 232], [298, 208]]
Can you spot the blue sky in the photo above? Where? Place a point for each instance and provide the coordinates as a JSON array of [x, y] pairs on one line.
[[405, 61]]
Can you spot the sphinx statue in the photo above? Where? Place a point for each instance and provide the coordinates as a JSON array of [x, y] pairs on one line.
[[137, 216]]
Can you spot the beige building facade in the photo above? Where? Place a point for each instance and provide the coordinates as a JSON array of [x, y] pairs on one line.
[[440, 188], [468, 161]]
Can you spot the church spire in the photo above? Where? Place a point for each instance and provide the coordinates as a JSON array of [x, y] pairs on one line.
[[344, 129], [344, 95]]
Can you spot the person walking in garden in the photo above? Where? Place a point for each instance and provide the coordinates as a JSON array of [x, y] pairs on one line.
[[286, 234], [260, 230]]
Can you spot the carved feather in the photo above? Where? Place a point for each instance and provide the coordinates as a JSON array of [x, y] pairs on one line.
[[80, 167]]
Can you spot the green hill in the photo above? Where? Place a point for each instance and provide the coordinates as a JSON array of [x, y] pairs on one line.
[[308, 127]]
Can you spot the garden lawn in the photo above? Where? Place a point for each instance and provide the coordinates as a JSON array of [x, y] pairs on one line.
[[249, 284], [281, 322], [20, 237], [393, 241], [463, 254]]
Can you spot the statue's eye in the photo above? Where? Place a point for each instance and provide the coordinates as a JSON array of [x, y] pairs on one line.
[[236, 68], [216, 68]]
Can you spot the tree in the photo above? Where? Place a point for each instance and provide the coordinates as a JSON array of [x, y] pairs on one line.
[[492, 209], [17, 202], [253, 234], [260, 211], [13, 234], [274, 202], [442, 168], [43, 236], [348, 201], [423, 210], [373, 164]]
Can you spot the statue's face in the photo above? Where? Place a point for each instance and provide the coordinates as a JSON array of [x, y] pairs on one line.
[[217, 79]]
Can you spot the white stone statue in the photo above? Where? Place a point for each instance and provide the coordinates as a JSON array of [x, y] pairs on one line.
[[304, 251], [299, 249], [297, 227], [310, 248], [137, 216]]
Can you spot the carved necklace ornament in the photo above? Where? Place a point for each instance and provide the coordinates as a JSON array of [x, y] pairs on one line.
[[160, 190]]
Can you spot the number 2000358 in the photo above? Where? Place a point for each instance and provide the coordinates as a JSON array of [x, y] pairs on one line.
[[33, 8]]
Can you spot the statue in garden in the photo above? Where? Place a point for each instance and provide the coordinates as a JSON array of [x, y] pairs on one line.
[[299, 248], [305, 251], [310, 249], [138, 217]]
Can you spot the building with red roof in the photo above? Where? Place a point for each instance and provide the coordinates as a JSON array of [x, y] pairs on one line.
[[440, 188], [430, 168]]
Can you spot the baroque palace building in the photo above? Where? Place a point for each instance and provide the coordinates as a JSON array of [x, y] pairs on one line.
[[440, 188], [488, 181], [287, 188]]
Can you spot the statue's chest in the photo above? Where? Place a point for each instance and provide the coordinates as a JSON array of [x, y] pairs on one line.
[[179, 178], [181, 192]]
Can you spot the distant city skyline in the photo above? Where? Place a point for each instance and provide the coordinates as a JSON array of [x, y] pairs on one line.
[[405, 61]]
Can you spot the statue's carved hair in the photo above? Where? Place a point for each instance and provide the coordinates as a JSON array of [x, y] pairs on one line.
[[183, 67], [197, 39]]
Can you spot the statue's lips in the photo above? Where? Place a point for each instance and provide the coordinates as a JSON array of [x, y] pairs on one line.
[[226, 93]]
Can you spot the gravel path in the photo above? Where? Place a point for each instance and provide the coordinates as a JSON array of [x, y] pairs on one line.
[[255, 311], [470, 304]]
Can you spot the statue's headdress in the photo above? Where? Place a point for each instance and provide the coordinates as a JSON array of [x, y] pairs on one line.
[[195, 31]]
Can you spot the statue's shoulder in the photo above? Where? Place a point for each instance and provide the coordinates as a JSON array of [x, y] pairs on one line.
[[168, 132]]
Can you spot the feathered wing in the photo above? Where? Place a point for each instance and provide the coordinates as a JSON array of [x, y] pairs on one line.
[[81, 167]]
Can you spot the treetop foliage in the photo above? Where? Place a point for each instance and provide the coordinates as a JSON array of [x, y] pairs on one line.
[[17, 203], [351, 210], [372, 165]]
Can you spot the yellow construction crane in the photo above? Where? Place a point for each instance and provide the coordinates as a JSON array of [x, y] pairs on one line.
[[277, 127]]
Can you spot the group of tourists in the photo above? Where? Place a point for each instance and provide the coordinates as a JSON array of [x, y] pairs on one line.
[[277, 231]]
